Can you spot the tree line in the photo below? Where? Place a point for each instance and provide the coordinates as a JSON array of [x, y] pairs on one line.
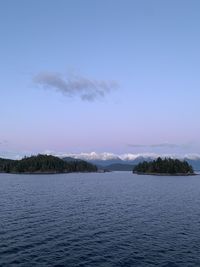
[[166, 165], [44, 164]]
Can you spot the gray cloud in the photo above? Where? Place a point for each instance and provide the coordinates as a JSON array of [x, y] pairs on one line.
[[3, 142], [73, 85], [162, 145]]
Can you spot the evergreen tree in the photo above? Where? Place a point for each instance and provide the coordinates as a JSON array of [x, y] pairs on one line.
[[166, 165]]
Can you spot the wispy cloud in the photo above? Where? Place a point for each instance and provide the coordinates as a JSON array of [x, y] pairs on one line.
[[162, 145], [3, 142], [75, 85]]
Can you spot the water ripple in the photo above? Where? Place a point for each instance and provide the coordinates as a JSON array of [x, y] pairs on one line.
[[93, 220]]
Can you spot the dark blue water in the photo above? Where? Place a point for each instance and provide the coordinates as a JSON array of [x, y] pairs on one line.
[[111, 219]]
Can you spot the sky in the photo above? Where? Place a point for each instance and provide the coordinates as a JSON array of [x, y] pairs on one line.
[[99, 75]]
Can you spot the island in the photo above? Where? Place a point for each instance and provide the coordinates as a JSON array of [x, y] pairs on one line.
[[45, 164], [166, 166]]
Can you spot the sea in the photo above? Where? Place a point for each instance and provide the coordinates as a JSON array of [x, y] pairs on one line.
[[115, 219]]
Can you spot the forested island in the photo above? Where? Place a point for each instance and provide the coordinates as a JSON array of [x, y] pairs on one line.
[[45, 164], [166, 166]]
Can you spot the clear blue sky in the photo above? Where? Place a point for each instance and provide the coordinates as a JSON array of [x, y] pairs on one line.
[[150, 49]]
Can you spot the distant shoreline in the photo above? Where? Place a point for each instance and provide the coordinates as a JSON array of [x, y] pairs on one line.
[[166, 174], [44, 173]]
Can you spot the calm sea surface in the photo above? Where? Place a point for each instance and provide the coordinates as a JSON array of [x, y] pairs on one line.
[[110, 219]]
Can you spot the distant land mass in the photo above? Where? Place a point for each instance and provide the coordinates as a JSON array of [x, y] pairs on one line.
[[118, 167], [74, 163], [166, 166], [107, 165], [116, 163], [42, 164]]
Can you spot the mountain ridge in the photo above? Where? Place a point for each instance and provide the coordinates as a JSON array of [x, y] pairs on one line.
[[101, 161]]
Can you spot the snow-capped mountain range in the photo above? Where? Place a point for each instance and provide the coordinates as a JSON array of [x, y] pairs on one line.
[[105, 159]]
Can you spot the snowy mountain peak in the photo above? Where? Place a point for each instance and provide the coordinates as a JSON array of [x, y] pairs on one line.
[[125, 157]]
